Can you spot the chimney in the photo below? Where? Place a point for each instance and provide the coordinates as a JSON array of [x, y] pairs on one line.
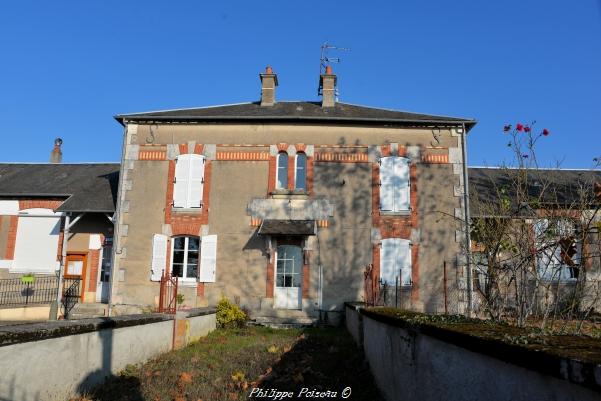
[[269, 81], [57, 155], [327, 84]]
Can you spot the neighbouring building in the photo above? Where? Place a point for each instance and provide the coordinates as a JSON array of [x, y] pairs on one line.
[[39, 203], [288, 208], [536, 230]]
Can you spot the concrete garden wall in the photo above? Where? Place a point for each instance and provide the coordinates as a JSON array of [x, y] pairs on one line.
[[54, 360], [412, 364]]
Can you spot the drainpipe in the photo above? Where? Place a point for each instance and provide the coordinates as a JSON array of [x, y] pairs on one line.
[[59, 293], [116, 219], [466, 204]]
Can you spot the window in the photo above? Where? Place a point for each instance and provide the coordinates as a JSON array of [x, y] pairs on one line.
[[185, 253], [282, 171], [184, 257], [394, 184], [289, 264], [395, 261], [558, 249], [189, 181], [300, 177]]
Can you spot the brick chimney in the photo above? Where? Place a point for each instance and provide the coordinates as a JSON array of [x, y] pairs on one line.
[[327, 84], [269, 81], [56, 156]]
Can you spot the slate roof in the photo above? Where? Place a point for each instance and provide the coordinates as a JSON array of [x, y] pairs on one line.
[[295, 111], [287, 227], [90, 187], [554, 187]]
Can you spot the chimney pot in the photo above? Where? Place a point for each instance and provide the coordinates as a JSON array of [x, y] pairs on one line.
[[269, 81], [56, 156], [329, 69]]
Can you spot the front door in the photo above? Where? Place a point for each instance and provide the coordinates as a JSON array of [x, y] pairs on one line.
[[288, 277], [74, 274], [103, 285]]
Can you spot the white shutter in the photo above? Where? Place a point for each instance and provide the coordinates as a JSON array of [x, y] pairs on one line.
[[159, 256], [386, 183], [404, 258], [208, 259], [388, 258], [182, 181], [196, 180], [36, 242], [401, 188]]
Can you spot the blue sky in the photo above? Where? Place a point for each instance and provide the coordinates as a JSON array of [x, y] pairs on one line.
[[68, 66]]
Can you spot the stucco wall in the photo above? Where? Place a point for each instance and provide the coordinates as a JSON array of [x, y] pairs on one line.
[[344, 247], [413, 366], [56, 368], [241, 266]]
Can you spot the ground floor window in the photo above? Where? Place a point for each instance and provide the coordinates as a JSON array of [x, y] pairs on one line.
[[184, 257]]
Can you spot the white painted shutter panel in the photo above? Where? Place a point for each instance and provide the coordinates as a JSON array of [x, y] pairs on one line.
[[401, 188], [197, 174], [404, 258], [159, 256], [388, 257], [386, 183], [208, 259], [182, 181]]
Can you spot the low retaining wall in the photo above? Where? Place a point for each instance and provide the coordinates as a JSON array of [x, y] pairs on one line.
[[54, 360], [412, 364]]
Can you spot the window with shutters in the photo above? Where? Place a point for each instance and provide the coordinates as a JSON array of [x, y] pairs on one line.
[[558, 249], [395, 186], [300, 172], [395, 261], [281, 179], [188, 184], [185, 252]]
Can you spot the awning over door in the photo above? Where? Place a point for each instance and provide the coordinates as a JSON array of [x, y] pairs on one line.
[[287, 227]]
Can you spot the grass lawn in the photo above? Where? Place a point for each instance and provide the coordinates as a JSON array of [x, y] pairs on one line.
[[228, 364]]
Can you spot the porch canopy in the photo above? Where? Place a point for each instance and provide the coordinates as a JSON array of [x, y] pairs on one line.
[[287, 227]]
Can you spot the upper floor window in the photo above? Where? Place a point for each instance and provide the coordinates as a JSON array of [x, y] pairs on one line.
[[185, 257], [282, 171], [189, 181], [300, 176], [395, 261], [394, 184]]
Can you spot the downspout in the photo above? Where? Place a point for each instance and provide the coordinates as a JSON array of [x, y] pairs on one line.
[[466, 204], [116, 219], [59, 292]]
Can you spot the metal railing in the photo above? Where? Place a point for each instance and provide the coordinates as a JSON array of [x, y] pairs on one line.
[[38, 290], [33, 290]]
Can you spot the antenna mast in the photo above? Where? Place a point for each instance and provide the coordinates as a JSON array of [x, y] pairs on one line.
[[325, 60]]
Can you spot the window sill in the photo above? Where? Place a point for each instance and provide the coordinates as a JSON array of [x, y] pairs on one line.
[[288, 193], [183, 210], [187, 282], [399, 213]]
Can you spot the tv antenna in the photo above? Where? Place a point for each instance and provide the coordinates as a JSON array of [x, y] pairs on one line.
[[325, 61]]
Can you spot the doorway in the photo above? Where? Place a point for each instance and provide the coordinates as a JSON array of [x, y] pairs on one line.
[[288, 277]]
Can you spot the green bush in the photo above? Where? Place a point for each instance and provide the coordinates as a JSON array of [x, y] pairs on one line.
[[229, 315]]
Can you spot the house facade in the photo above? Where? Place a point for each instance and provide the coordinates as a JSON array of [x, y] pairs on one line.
[[56, 218], [288, 208]]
